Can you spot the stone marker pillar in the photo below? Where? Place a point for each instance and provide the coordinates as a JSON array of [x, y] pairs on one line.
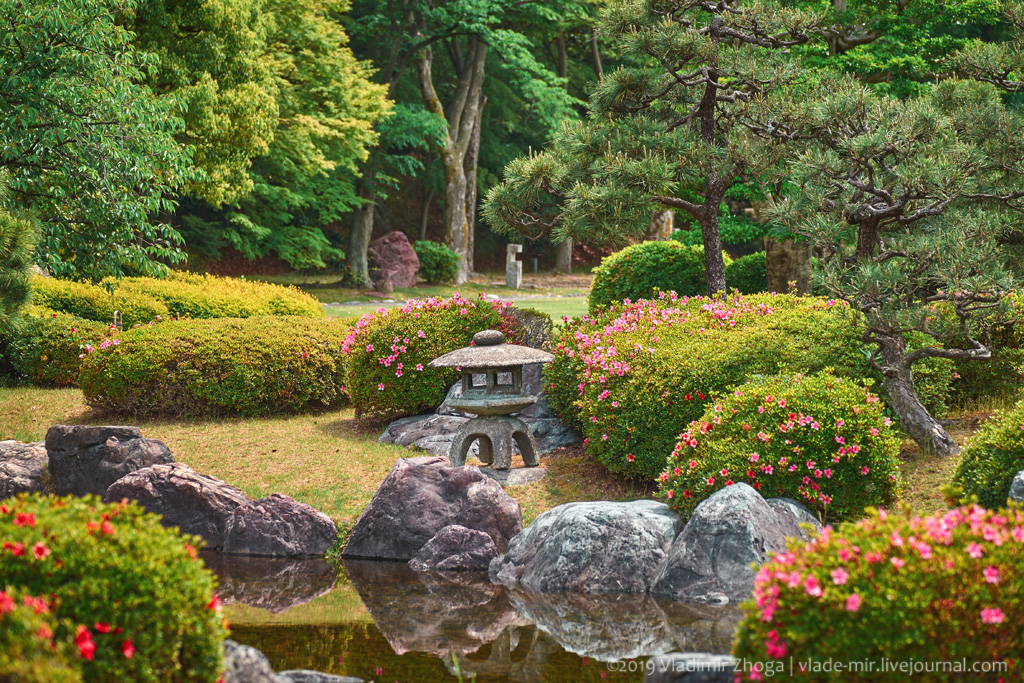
[[513, 267]]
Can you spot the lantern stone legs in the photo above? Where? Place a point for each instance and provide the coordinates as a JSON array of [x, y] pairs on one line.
[[495, 434]]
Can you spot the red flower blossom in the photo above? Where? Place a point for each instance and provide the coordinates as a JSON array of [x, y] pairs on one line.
[[6, 603], [102, 627], [40, 551], [128, 649], [214, 603], [25, 519], [86, 647]]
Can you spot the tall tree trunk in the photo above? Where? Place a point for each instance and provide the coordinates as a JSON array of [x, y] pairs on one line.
[[714, 265], [899, 387], [358, 241], [788, 261], [596, 53], [425, 211], [563, 256], [472, 157], [661, 226], [462, 115]]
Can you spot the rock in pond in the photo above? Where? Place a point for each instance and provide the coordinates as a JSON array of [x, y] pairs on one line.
[[274, 584], [456, 548], [710, 561], [196, 503], [22, 468], [245, 664], [591, 548], [1017, 488], [421, 496], [278, 526], [87, 459], [690, 667]]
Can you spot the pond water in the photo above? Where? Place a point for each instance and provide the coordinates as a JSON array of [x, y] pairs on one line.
[[382, 621]]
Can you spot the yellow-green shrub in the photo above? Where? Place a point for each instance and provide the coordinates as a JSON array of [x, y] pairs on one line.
[[93, 302], [245, 366], [819, 439], [120, 581], [47, 348], [990, 459], [924, 591]]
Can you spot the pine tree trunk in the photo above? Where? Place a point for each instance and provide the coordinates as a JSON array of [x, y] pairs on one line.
[[897, 380], [563, 256], [714, 265], [358, 241]]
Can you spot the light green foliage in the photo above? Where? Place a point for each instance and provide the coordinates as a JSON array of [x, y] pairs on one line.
[[821, 440], [990, 460], [999, 63], [144, 300], [748, 274], [892, 587], [389, 351], [28, 652], [115, 566], [46, 348], [438, 263], [17, 240], [226, 366], [91, 152], [642, 270]]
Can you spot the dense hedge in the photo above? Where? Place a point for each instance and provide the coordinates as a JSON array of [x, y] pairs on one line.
[[641, 270], [48, 350], [28, 651], [438, 263], [251, 366], [131, 595], [990, 459], [922, 591], [748, 274], [142, 300], [389, 351], [633, 379], [819, 439]]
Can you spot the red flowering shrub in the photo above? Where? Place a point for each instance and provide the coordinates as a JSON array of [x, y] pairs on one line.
[[633, 378], [389, 351], [821, 440], [46, 348], [28, 651], [245, 366], [936, 590], [131, 595]]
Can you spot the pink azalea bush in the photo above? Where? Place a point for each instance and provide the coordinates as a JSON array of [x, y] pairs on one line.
[[944, 588], [132, 596], [990, 459], [389, 351], [820, 439]]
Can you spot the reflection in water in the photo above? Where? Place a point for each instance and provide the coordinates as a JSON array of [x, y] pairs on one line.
[[434, 627], [275, 584]]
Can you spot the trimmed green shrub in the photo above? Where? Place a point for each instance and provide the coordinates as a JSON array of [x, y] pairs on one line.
[[641, 270], [251, 366], [748, 274], [48, 350], [17, 240], [28, 651], [141, 604], [389, 351], [93, 302], [635, 377], [990, 459], [894, 587], [820, 439], [438, 263]]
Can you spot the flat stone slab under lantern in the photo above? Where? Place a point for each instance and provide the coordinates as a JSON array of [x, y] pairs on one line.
[[492, 389]]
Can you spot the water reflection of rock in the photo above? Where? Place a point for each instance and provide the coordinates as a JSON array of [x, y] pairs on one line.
[[610, 627], [457, 612], [270, 583]]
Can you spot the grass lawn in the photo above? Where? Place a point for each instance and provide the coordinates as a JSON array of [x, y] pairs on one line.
[[568, 307], [335, 464]]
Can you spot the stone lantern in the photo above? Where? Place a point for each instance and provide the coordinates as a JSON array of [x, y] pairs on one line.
[[492, 389]]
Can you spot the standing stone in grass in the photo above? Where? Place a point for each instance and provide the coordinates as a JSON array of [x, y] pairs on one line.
[[597, 547], [278, 526], [456, 548], [1017, 488], [421, 496], [85, 459], [392, 262], [196, 503], [22, 468], [710, 561]]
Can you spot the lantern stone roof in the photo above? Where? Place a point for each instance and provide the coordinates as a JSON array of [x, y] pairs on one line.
[[489, 351]]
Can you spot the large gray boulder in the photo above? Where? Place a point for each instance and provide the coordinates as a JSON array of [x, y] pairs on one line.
[[22, 468], [245, 664], [278, 526], [196, 503], [87, 459], [392, 262], [456, 548], [421, 496], [1017, 488], [710, 561], [434, 432], [590, 547]]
